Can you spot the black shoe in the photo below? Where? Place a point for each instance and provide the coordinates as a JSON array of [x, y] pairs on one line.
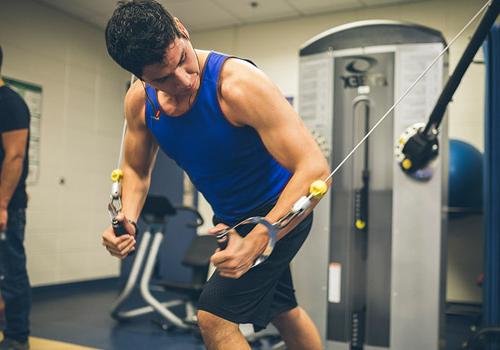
[[11, 344]]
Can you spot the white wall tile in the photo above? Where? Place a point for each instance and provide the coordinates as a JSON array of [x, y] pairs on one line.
[[42, 267]]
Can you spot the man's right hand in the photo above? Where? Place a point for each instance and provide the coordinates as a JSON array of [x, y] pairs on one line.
[[120, 246]]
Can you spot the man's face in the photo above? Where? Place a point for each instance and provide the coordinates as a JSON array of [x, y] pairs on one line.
[[178, 74]]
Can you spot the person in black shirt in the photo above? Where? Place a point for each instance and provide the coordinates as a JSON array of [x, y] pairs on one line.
[[14, 282]]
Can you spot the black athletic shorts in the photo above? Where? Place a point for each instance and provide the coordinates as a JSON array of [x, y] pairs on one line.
[[263, 292]]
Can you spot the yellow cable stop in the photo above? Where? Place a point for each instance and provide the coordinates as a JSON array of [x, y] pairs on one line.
[[116, 175], [360, 224], [318, 188], [406, 164]]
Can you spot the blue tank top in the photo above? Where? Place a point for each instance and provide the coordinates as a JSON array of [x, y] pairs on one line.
[[229, 165]]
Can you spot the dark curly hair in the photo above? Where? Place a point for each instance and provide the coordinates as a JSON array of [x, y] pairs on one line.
[[138, 33]]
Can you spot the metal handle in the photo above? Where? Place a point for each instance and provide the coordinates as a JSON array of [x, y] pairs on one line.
[[272, 231], [118, 227]]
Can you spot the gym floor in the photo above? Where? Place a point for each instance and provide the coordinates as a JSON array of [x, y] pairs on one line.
[[76, 317], [79, 314]]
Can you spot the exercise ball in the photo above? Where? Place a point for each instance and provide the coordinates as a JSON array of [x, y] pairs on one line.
[[465, 186]]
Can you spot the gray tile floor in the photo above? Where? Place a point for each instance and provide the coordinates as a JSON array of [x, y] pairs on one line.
[[79, 314]]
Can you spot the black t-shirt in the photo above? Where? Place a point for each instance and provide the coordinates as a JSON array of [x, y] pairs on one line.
[[14, 115]]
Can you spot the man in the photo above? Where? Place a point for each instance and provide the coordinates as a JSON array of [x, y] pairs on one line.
[[243, 146], [15, 288]]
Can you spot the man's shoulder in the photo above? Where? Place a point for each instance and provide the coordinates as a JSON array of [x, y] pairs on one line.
[[135, 94], [237, 75], [236, 68], [135, 97], [135, 102], [12, 105], [240, 78], [8, 95]]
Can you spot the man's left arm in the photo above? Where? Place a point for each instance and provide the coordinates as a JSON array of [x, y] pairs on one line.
[[250, 98], [14, 145]]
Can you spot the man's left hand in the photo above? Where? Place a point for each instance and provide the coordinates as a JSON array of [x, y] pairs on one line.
[[238, 257]]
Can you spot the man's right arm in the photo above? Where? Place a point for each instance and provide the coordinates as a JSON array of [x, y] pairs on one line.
[[140, 151]]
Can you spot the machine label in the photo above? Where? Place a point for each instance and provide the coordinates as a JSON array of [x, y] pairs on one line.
[[334, 278]]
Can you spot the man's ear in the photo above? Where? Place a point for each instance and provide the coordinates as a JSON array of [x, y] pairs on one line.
[[182, 29]]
